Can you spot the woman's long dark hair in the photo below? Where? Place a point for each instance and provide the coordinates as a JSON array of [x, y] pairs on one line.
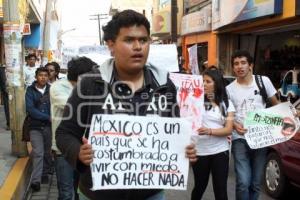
[[220, 94]]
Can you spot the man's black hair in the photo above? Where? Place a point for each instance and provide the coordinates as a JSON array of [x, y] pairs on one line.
[[30, 56], [220, 94], [56, 67], [242, 53], [126, 18], [41, 69], [78, 66]]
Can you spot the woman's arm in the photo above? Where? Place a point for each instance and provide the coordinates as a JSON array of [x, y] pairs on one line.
[[227, 130]]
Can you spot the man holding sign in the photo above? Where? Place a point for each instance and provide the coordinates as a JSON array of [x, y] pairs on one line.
[[246, 96], [124, 85]]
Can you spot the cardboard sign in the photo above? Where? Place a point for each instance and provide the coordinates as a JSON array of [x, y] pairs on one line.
[[190, 97], [132, 152], [271, 126], [193, 57]]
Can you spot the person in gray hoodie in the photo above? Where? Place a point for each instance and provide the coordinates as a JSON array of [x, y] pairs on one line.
[[123, 80], [59, 93]]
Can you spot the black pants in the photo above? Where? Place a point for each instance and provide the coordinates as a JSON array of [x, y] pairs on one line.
[[217, 165]]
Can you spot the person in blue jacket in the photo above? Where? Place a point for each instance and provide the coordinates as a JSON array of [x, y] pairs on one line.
[[38, 107]]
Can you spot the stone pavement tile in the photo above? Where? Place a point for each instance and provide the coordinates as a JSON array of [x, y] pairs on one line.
[[38, 198], [48, 191], [41, 193], [52, 190], [2, 175], [44, 187], [53, 196]]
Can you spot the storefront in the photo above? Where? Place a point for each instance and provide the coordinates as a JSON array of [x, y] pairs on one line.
[[196, 30], [269, 29]]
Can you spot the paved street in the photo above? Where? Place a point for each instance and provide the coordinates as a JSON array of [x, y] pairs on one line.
[[7, 160], [49, 191], [208, 195]]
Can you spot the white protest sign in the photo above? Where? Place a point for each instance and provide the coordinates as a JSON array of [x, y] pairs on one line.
[[190, 97], [193, 57], [270, 126], [164, 56], [139, 152]]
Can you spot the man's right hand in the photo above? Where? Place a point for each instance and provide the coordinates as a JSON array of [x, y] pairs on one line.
[[239, 128], [85, 152]]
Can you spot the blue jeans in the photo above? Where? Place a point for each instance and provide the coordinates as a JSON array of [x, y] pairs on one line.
[[248, 165], [158, 196], [64, 175]]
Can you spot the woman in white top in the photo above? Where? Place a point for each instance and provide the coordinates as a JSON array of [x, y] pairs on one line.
[[212, 143]]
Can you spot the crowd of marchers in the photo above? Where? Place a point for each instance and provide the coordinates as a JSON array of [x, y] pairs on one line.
[[59, 141]]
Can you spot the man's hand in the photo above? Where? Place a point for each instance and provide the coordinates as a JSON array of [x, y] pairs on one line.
[[86, 152], [239, 128], [190, 153]]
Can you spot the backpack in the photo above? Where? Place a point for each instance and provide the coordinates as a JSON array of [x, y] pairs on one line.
[[26, 129], [262, 90]]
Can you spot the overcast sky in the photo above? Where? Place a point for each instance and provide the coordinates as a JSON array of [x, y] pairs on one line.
[[76, 14]]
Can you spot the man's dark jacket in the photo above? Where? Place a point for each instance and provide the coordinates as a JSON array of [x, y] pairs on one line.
[[38, 106]]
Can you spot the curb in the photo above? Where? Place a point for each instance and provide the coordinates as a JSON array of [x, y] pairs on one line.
[[17, 180]]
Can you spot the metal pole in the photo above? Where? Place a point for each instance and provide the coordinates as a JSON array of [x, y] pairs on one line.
[[13, 60], [46, 32], [174, 21], [99, 25], [99, 29]]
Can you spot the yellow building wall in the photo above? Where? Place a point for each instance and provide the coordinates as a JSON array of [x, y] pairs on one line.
[[208, 37]]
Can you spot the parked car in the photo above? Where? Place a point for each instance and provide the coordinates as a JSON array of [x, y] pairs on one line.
[[283, 166]]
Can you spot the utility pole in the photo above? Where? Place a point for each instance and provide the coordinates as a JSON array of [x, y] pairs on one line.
[[47, 45], [13, 60], [174, 21], [99, 24]]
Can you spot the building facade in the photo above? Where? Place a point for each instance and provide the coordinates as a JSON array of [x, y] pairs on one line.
[[196, 30], [162, 21], [269, 29]]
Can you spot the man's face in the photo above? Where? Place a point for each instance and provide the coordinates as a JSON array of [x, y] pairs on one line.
[[130, 49], [52, 72], [31, 61], [42, 78], [241, 67]]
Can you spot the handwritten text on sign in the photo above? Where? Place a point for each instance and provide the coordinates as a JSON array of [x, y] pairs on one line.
[[271, 126], [190, 97], [139, 152]]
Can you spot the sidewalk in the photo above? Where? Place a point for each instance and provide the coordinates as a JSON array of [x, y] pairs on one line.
[[13, 170], [7, 160], [48, 191]]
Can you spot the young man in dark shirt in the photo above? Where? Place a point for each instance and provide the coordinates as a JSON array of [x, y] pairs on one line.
[[124, 80], [38, 107]]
